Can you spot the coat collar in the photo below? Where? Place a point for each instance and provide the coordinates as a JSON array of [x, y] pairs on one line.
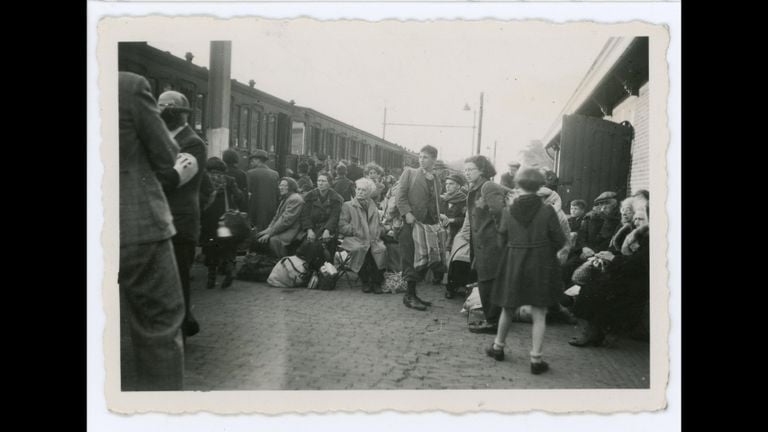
[[478, 185]]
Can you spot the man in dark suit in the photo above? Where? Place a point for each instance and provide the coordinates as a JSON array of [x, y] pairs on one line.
[[184, 199], [150, 289], [262, 187], [417, 201], [354, 172]]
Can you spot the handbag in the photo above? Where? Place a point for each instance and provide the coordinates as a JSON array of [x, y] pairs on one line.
[[588, 271], [233, 223]]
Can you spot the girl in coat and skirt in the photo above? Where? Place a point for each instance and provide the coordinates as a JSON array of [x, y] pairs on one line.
[[529, 273]]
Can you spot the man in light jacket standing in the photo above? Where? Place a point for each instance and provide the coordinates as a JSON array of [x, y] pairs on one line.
[[417, 198]]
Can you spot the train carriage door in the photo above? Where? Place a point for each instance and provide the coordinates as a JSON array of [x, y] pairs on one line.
[[594, 157], [282, 142]]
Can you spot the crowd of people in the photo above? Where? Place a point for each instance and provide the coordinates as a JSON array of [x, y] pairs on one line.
[[518, 245]]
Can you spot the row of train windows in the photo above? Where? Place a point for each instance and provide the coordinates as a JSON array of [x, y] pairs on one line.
[[252, 129]]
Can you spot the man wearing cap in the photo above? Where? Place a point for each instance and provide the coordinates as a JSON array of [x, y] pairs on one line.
[[508, 178], [184, 200], [150, 290], [453, 204], [262, 187]]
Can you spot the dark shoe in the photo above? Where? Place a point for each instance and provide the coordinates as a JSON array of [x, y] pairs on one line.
[[587, 338], [450, 294], [539, 367], [425, 303], [376, 288], [190, 327], [497, 354], [366, 287], [413, 303], [483, 327]]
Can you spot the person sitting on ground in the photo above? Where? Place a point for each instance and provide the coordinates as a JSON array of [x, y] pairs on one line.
[[616, 300], [360, 225], [627, 212], [285, 228], [320, 215]]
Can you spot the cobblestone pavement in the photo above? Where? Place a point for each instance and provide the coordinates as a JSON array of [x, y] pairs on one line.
[[256, 337]]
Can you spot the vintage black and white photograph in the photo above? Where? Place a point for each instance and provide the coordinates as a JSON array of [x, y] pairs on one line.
[[344, 206]]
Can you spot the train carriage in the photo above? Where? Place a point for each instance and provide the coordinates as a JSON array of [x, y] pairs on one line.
[[258, 120]]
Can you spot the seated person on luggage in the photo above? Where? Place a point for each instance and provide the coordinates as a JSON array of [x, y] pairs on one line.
[[360, 225], [617, 300], [285, 228], [320, 216]]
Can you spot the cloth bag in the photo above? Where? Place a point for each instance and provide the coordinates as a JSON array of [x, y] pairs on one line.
[[289, 272]]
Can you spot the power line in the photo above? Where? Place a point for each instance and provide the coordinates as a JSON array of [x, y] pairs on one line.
[[428, 125]]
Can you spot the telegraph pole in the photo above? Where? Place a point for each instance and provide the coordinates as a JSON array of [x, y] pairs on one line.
[[480, 125], [219, 94], [384, 125]]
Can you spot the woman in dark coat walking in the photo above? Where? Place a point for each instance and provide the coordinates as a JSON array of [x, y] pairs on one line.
[[529, 273]]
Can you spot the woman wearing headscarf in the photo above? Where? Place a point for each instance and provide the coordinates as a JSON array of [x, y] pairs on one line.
[[285, 227], [483, 210], [361, 227], [320, 215], [218, 251], [529, 274]]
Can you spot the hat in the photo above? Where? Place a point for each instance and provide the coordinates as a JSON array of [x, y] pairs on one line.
[[514, 164], [173, 100], [605, 196], [259, 154], [439, 164], [458, 179]]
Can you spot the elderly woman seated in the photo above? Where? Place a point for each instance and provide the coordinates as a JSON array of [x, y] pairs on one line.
[[285, 228], [616, 300], [322, 207], [359, 224]]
